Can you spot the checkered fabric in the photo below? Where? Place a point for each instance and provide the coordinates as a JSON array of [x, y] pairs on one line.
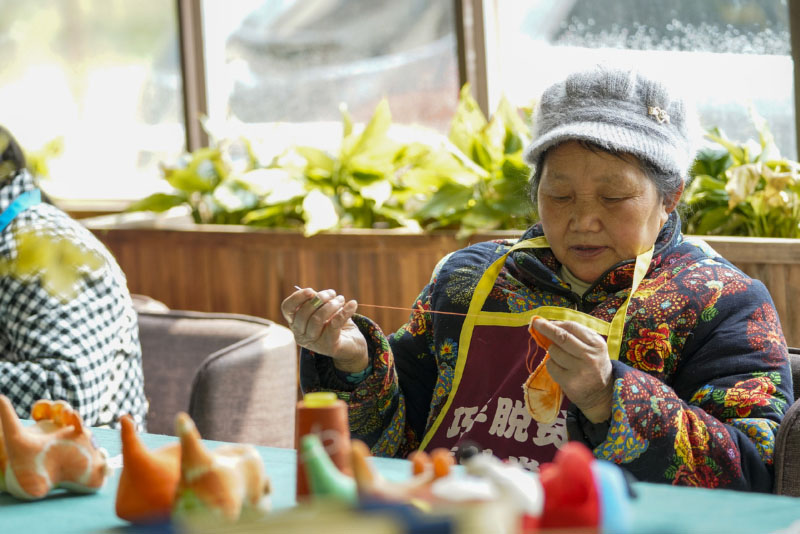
[[85, 351]]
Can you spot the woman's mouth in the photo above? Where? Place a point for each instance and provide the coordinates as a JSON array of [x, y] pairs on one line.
[[586, 251]]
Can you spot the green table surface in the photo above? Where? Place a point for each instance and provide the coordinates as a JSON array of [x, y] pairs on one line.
[[657, 509]]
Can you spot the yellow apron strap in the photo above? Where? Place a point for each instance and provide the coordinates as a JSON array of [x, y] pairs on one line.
[[479, 296], [554, 313], [482, 290], [486, 283], [615, 332]]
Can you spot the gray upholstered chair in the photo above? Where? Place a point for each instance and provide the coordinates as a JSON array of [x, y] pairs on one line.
[[787, 445], [235, 375]]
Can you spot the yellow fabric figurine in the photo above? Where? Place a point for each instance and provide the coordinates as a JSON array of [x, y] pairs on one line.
[[227, 483]]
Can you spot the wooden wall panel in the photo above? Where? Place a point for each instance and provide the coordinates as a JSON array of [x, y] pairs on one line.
[[228, 269]]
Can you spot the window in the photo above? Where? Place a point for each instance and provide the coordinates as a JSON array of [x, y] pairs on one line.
[[103, 76], [729, 54], [295, 61]]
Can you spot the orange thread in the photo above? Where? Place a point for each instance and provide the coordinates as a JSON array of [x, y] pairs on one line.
[[541, 341], [417, 310], [540, 338], [529, 356], [535, 335]]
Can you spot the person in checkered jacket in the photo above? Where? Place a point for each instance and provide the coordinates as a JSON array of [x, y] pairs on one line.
[[68, 330]]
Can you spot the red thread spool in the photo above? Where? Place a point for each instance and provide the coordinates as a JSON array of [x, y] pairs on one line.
[[323, 414]]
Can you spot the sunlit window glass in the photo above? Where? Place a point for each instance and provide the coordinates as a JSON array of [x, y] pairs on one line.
[[728, 54], [296, 61], [102, 77]]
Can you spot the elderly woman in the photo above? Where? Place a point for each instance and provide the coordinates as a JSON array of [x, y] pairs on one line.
[[671, 360], [83, 349]]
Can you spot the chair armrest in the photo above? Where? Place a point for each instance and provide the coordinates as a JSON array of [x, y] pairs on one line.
[[786, 459], [247, 392], [235, 374], [144, 303]]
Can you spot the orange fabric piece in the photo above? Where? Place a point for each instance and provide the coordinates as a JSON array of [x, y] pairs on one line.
[[543, 395], [537, 336]]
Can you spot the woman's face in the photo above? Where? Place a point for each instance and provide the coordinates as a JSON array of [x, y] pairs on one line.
[[597, 209]]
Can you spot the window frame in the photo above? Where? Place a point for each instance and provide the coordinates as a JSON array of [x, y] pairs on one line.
[[794, 38], [193, 72], [475, 31]]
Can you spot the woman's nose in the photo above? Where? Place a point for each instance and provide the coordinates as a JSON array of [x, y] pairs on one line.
[[585, 216]]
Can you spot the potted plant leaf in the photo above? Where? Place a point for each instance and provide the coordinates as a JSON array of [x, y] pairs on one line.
[[744, 189], [372, 217]]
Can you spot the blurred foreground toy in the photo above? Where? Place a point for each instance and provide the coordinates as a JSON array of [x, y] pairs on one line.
[[583, 492], [520, 488], [147, 484], [326, 480], [55, 452], [433, 499], [324, 415], [227, 483], [419, 489], [543, 395], [575, 492], [323, 477]]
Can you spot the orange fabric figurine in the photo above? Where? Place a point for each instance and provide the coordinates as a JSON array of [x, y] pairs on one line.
[[147, 484], [55, 452], [227, 483], [426, 469], [543, 395]]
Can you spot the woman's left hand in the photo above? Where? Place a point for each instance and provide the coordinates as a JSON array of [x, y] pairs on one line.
[[579, 363]]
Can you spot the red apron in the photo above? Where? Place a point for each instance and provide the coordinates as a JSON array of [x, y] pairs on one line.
[[496, 354]]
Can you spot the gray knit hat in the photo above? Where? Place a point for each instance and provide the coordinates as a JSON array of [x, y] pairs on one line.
[[619, 110]]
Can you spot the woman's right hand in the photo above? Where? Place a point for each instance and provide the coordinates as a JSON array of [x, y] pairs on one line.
[[322, 322]]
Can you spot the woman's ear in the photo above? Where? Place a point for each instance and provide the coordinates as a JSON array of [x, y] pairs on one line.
[[671, 202]]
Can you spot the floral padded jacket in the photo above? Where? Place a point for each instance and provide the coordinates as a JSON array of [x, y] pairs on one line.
[[700, 387]]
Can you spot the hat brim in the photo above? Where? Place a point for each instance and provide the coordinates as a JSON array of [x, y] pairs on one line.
[[611, 137]]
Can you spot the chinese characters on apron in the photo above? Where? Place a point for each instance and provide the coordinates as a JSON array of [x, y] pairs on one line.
[[486, 404]]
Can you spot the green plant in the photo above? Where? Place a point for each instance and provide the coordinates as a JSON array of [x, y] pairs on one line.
[[495, 196], [360, 186], [744, 189], [305, 187], [55, 262], [38, 161], [210, 181], [381, 176]]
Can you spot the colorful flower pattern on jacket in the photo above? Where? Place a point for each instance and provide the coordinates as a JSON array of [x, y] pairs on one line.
[[701, 383]]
